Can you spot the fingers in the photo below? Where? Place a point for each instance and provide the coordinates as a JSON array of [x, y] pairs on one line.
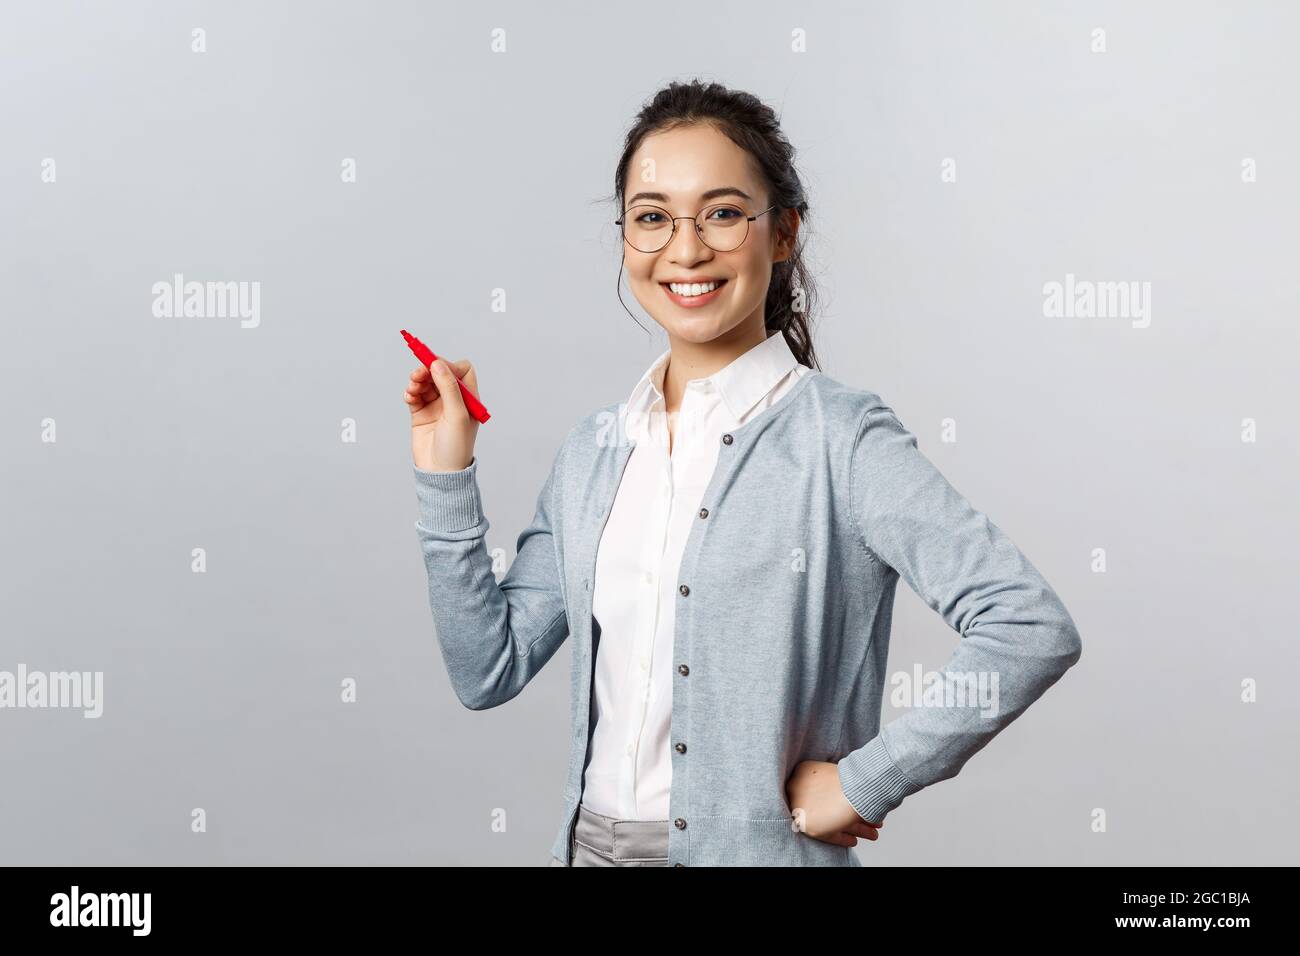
[[417, 398], [840, 839], [469, 376], [422, 379], [421, 372], [447, 384], [465, 372], [420, 390], [426, 386], [864, 830], [870, 824]]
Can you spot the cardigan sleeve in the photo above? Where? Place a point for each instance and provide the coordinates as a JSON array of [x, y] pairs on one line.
[[1016, 634], [494, 636]]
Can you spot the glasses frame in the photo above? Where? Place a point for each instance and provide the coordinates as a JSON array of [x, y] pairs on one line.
[[694, 219]]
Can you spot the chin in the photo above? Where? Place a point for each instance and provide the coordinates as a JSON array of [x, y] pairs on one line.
[[698, 331]]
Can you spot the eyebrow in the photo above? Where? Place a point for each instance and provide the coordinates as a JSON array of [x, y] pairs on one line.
[[704, 196]]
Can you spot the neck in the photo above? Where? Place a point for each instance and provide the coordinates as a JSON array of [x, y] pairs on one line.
[[701, 359]]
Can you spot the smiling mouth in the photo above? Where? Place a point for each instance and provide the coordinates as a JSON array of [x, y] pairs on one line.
[[694, 300]]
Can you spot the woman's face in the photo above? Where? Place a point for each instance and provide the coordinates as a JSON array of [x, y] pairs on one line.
[[682, 171]]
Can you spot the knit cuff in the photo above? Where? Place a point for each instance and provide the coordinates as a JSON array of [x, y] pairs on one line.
[[449, 500], [872, 782]]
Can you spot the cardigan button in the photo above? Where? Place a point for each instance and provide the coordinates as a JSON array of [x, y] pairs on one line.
[[681, 748], [704, 512], [679, 823], [683, 669], [726, 439], [685, 590]]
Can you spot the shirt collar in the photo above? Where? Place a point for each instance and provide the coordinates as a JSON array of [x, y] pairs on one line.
[[741, 384]]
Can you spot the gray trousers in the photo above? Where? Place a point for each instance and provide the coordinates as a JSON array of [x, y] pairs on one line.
[[599, 840]]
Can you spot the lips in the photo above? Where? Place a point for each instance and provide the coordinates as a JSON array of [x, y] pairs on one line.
[[694, 302]]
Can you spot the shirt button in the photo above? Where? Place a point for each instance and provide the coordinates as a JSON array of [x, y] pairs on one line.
[[704, 512], [681, 748], [726, 439], [679, 823], [645, 664], [685, 590], [683, 669], [649, 578], [629, 750]]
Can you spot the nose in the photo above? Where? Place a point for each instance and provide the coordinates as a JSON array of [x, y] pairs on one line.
[[685, 245]]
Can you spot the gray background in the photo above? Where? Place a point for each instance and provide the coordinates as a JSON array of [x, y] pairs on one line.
[[222, 689]]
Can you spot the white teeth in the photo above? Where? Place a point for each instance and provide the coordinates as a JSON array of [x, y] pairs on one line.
[[694, 288]]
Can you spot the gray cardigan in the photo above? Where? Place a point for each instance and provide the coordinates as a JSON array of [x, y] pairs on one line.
[[784, 601]]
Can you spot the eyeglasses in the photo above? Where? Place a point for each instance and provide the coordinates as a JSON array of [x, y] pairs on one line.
[[722, 227]]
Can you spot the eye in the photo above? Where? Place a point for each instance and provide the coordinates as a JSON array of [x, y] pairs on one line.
[[726, 213], [645, 218]]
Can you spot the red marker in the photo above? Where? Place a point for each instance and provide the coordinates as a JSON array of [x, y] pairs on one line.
[[472, 404]]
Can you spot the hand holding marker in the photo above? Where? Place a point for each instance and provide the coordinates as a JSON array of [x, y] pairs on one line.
[[444, 419], [472, 404]]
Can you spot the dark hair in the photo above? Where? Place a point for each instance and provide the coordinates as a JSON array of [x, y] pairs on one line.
[[755, 128]]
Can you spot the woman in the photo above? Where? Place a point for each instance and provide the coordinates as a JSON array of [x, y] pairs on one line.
[[734, 532]]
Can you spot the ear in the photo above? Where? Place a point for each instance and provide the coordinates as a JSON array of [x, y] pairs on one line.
[[786, 235]]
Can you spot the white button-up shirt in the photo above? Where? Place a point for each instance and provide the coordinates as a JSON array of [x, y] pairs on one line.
[[630, 772]]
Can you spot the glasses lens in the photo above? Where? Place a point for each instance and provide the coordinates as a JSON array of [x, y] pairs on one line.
[[723, 227], [647, 228]]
